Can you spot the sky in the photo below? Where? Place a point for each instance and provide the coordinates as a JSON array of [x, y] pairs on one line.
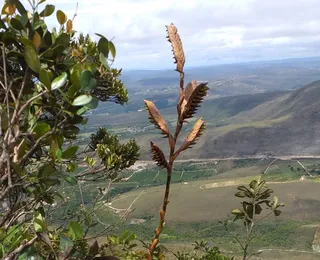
[[212, 31]]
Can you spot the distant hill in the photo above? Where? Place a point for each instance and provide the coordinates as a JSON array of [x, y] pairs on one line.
[[251, 108], [232, 79], [273, 123], [289, 124]]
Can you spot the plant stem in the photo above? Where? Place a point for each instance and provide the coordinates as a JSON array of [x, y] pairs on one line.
[[155, 240]]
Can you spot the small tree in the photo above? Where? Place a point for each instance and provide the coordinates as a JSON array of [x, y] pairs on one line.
[[256, 197], [49, 79]]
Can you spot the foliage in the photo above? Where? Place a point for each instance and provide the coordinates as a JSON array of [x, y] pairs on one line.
[[256, 197], [202, 252], [189, 100], [49, 79]]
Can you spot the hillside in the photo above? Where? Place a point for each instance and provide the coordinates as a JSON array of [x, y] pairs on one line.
[[286, 125], [251, 108], [272, 123]]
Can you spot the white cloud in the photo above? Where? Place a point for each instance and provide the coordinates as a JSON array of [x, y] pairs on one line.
[[213, 31]]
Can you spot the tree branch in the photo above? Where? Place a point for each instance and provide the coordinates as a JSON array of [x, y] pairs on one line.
[[18, 250]]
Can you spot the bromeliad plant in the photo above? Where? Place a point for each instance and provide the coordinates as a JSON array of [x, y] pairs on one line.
[[190, 99]]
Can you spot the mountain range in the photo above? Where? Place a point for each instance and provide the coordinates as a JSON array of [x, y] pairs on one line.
[[265, 108]]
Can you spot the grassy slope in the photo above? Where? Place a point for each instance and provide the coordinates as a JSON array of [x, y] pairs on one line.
[[196, 206]]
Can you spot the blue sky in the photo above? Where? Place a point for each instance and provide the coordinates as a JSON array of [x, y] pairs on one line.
[[212, 31]]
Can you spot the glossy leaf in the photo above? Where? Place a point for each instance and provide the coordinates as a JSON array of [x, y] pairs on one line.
[[20, 8], [61, 17], [24, 19], [16, 24], [59, 81], [103, 46], [93, 104], [82, 100], [63, 39], [75, 230], [41, 129], [38, 222], [85, 78], [48, 10], [103, 60], [31, 58], [76, 77], [70, 152], [45, 77]]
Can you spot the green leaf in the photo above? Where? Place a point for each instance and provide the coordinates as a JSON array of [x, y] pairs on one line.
[[76, 77], [63, 39], [112, 49], [2, 233], [45, 77], [24, 19], [103, 60], [103, 46], [20, 8], [26, 41], [82, 110], [60, 81], [41, 129], [75, 230], [100, 35], [72, 91], [47, 38], [48, 10], [61, 17], [70, 152], [82, 100], [31, 58], [65, 243], [16, 24], [93, 103], [54, 147], [38, 222], [88, 83]]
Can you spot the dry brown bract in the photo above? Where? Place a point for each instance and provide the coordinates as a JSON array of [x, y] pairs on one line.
[[158, 156], [176, 43], [156, 118]]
